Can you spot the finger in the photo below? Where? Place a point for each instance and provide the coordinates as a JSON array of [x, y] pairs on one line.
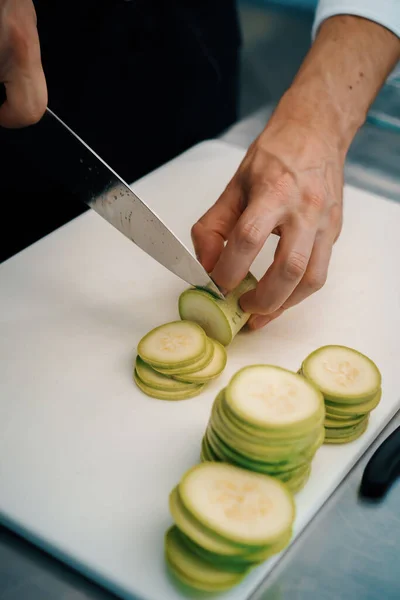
[[316, 273], [26, 100], [212, 229], [260, 321], [245, 242], [24, 80], [281, 279]]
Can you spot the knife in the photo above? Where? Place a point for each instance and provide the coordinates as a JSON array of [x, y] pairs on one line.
[[93, 182], [382, 468]]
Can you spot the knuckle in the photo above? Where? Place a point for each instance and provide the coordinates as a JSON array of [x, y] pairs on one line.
[[315, 280], [249, 236], [314, 201], [295, 266]]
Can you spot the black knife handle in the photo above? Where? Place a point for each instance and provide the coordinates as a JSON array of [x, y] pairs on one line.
[[382, 468]]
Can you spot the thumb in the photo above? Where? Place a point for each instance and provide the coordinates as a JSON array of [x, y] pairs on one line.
[[211, 231]]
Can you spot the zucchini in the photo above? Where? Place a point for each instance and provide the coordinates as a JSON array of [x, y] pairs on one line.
[[195, 531], [210, 371], [245, 442], [203, 362], [244, 507], [238, 563], [347, 410], [176, 344], [333, 423], [274, 398], [166, 394], [343, 374], [221, 319], [350, 434], [195, 571], [155, 380], [275, 436]]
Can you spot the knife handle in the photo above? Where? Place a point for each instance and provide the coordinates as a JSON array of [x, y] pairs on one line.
[[382, 468]]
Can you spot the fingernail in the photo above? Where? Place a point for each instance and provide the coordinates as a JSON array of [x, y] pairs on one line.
[[258, 321]]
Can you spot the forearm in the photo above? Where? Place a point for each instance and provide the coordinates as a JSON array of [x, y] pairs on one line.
[[340, 77]]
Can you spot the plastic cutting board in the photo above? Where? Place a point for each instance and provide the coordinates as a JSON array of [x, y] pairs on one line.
[[86, 460]]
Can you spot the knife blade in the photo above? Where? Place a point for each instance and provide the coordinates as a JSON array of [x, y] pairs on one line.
[[96, 184]]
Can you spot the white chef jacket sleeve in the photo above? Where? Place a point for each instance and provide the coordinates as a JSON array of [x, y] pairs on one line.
[[384, 12]]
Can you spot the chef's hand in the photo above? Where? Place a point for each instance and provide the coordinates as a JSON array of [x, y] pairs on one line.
[[289, 183], [20, 65], [291, 180]]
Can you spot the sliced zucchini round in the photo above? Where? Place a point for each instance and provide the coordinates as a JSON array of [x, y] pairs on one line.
[[203, 362], [347, 410], [200, 573], [256, 446], [333, 423], [211, 371], [277, 436], [350, 436], [157, 381], [197, 532], [342, 374], [167, 394], [274, 398], [179, 343], [220, 319], [238, 563], [244, 507]]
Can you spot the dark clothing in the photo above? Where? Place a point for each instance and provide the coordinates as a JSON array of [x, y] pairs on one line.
[[140, 81]]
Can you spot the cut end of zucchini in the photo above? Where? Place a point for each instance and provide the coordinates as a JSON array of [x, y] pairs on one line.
[[242, 506], [220, 319], [272, 397], [342, 374]]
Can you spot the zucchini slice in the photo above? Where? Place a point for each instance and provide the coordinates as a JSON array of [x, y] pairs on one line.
[[348, 410], [221, 319], [238, 563], [195, 571], [348, 435], [157, 381], [167, 394], [176, 344], [343, 374], [203, 362], [274, 398], [198, 533], [244, 507], [333, 423], [209, 372]]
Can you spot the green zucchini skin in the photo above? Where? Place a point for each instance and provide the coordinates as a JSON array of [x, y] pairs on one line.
[[221, 319]]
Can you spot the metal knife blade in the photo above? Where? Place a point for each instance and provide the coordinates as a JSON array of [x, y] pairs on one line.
[[101, 188]]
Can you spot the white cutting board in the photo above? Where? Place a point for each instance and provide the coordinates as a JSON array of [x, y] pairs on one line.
[[87, 461]]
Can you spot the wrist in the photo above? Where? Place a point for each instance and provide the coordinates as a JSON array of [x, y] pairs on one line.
[[340, 78], [310, 104]]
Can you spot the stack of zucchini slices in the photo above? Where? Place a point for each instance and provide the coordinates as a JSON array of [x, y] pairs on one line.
[[226, 521], [351, 385], [176, 360], [268, 420]]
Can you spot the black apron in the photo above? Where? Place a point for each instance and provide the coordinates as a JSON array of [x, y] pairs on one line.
[[140, 81]]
